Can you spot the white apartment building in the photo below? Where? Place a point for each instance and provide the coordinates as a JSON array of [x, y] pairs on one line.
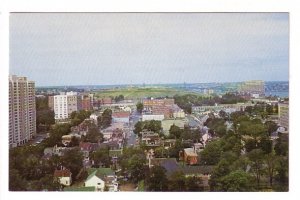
[[65, 104], [22, 110]]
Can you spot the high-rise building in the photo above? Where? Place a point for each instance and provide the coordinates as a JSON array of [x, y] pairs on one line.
[[283, 115], [51, 102], [256, 87], [22, 110], [65, 104]]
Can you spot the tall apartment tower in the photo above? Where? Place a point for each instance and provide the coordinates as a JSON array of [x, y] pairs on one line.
[[22, 110], [64, 105], [283, 115]]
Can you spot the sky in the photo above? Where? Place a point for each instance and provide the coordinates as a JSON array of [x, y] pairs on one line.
[[134, 48]]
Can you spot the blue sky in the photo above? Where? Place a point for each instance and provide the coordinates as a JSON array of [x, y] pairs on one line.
[[135, 48]]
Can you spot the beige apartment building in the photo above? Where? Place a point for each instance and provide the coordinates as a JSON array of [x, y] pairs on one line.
[[283, 115], [22, 110]]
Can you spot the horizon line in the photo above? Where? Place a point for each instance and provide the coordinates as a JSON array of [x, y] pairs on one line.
[[135, 84]]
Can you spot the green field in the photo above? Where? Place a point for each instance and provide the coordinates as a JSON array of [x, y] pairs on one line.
[[132, 93]]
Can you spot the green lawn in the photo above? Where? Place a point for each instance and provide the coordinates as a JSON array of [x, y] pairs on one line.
[[141, 92]]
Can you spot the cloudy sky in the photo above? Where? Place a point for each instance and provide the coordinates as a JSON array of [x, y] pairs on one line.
[[135, 48]]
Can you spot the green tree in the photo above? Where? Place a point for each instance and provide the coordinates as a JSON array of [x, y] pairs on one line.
[[177, 181], [72, 159], [271, 126], [175, 131], [16, 182], [194, 184], [220, 170], [105, 119], [266, 144], [271, 161], [281, 147], [101, 157], [212, 153], [139, 107], [157, 179], [237, 181], [93, 135], [256, 157], [282, 168], [133, 162]]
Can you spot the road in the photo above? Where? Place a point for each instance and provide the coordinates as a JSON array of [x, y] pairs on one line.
[[131, 137]]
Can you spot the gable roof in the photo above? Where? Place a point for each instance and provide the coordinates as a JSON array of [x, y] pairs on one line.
[[121, 114], [99, 172], [62, 173]]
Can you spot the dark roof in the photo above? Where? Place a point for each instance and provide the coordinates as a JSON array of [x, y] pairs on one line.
[[170, 164], [187, 169]]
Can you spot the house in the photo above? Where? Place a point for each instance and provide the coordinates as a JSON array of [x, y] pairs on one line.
[[87, 148], [150, 138], [102, 179], [64, 176], [66, 139], [50, 151], [190, 157], [120, 117]]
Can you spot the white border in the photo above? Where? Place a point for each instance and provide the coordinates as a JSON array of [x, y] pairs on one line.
[[290, 6]]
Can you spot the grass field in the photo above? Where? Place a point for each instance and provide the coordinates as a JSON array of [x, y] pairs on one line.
[[140, 92]]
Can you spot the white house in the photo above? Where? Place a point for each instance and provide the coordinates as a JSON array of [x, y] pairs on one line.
[[64, 176], [95, 181], [101, 178]]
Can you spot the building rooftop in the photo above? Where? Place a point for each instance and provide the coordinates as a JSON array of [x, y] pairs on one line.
[[62, 173], [121, 114]]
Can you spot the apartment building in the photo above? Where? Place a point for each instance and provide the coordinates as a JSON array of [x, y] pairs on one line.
[[283, 115], [22, 110], [65, 104]]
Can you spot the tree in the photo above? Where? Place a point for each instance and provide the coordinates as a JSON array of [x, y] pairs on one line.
[[101, 157], [119, 98], [212, 153], [16, 182], [133, 162], [256, 157], [175, 131], [138, 127], [105, 119], [282, 168], [177, 181], [72, 159], [93, 135], [194, 184], [220, 170], [139, 107], [271, 126], [237, 181], [157, 179], [266, 145], [271, 161], [281, 147]]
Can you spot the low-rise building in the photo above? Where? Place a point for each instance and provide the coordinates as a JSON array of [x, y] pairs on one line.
[[158, 117], [190, 156], [120, 117], [64, 176], [101, 179], [150, 138]]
